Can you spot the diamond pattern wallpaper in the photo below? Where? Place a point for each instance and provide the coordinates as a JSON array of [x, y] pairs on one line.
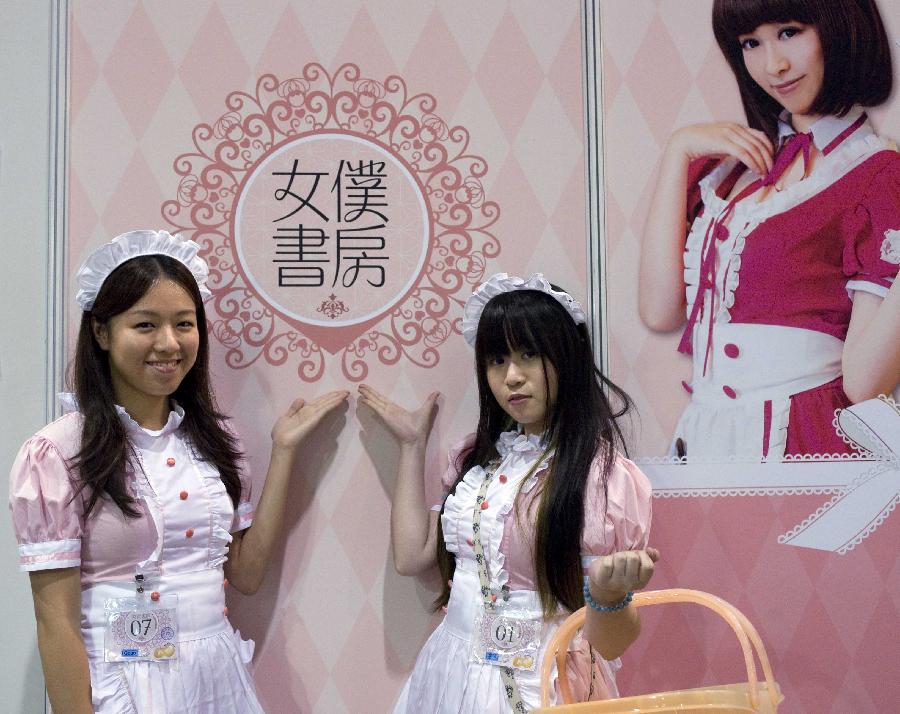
[[336, 629]]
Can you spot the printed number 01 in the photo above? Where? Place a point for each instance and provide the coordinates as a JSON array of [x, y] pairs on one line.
[[506, 635]]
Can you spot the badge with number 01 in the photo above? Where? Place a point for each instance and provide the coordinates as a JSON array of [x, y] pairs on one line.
[[507, 638], [140, 629]]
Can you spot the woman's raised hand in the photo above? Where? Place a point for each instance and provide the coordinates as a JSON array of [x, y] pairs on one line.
[[409, 427], [750, 146], [612, 576], [302, 417]]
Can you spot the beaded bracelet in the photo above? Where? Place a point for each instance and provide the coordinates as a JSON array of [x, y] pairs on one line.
[[594, 605]]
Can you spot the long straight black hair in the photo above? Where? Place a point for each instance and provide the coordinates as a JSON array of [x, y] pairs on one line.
[[855, 47], [105, 449], [582, 424]]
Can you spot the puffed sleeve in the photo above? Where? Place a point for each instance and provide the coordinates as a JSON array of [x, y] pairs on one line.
[[872, 250], [47, 518], [454, 460], [624, 524], [243, 514]]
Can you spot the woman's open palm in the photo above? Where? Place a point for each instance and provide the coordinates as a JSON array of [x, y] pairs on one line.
[[302, 417], [408, 426]]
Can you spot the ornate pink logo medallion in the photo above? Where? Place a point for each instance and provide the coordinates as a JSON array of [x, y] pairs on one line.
[[339, 216]]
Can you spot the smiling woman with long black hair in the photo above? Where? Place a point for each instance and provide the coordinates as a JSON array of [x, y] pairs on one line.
[[133, 509]]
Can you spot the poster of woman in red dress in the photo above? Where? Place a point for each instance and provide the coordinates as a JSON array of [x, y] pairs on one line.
[[781, 286]]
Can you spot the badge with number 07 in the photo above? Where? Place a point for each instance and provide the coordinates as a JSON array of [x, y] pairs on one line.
[[141, 629]]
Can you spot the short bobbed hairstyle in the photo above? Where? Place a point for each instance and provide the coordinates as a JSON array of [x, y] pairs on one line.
[[855, 47]]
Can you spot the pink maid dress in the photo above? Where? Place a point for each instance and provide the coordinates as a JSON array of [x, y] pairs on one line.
[[180, 543], [767, 374], [445, 680]]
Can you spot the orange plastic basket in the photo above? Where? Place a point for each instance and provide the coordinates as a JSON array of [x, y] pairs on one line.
[[762, 697]]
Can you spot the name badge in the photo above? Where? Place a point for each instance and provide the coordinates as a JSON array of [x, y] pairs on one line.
[[141, 629], [507, 638]]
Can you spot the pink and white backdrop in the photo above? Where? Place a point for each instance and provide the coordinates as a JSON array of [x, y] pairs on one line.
[[161, 135], [498, 87], [830, 621]]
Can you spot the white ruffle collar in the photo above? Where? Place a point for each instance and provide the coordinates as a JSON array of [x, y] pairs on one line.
[[825, 129], [69, 403], [828, 170], [520, 443]]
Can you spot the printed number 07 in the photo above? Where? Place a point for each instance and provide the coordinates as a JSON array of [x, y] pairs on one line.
[[140, 627]]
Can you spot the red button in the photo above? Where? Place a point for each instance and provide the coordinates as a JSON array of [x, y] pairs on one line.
[[502, 478], [470, 541], [225, 612], [493, 598], [449, 583], [189, 533], [225, 583], [170, 461], [154, 596], [729, 392], [484, 505], [732, 350], [687, 387], [183, 495]]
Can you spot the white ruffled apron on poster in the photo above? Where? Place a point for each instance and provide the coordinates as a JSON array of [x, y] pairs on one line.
[[751, 365], [745, 374]]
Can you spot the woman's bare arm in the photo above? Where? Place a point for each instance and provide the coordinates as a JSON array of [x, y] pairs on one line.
[[413, 526], [251, 549], [57, 609], [610, 579], [871, 357]]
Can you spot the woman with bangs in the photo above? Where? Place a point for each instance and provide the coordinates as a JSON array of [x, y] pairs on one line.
[[542, 513], [779, 241]]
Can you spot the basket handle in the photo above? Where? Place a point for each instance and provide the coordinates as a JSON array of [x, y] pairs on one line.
[[744, 630]]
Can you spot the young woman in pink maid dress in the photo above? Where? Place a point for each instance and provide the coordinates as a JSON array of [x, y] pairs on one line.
[[133, 509], [542, 513], [780, 241]]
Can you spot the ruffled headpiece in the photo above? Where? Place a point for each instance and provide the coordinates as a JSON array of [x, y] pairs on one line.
[[99, 264], [503, 283]]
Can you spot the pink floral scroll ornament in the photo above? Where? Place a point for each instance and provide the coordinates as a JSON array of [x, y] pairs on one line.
[[863, 505], [438, 157], [331, 307]]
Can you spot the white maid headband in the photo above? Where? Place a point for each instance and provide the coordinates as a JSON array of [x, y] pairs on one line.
[[99, 264], [503, 283]]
